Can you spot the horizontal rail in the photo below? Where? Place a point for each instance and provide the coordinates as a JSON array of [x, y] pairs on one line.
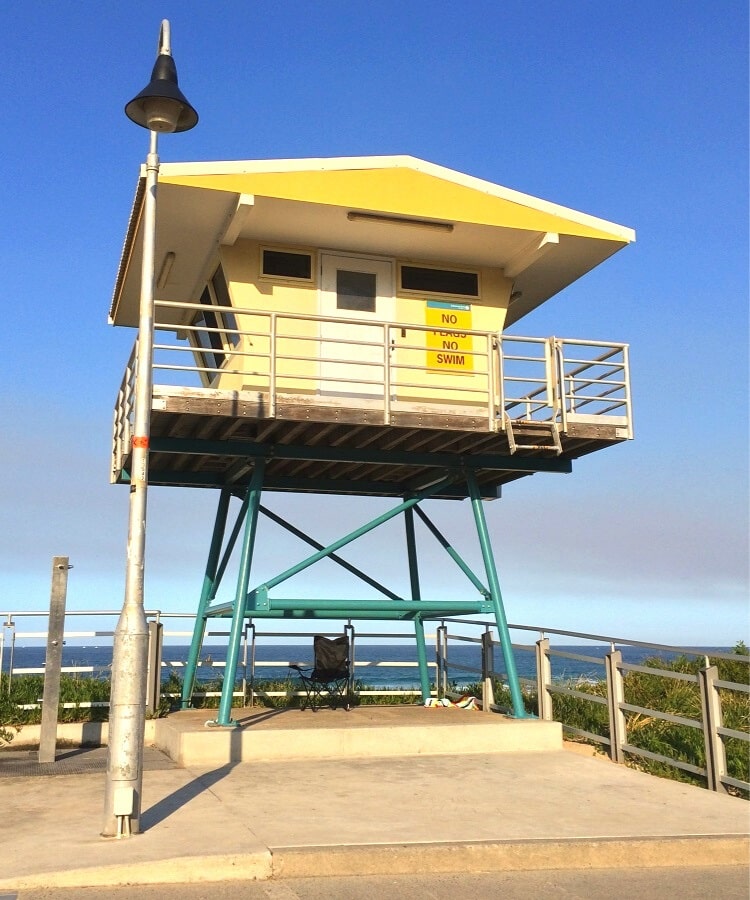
[[657, 714], [659, 757], [572, 692], [279, 351]]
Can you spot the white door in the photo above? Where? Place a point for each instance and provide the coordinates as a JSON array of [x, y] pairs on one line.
[[356, 297]]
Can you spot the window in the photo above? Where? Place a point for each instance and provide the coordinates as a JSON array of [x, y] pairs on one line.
[[355, 290], [286, 264], [439, 281], [217, 328]]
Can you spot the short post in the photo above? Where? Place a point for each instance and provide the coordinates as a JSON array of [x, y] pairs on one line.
[[153, 679], [716, 761], [441, 648], [615, 696], [53, 661], [350, 631], [488, 671], [543, 680]]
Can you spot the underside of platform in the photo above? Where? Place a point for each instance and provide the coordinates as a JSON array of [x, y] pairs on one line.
[[211, 439]]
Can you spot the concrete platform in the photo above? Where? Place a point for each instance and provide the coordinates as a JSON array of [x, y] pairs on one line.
[[423, 813], [364, 732]]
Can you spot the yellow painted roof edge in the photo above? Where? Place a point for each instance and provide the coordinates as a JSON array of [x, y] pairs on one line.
[[611, 230]]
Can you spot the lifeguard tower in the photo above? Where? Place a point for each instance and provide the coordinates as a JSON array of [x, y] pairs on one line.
[[339, 327]]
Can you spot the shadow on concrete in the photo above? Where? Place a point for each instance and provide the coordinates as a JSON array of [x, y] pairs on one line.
[[248, 721], [182, 796]]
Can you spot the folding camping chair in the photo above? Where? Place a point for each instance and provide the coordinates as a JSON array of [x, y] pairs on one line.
[[329, 680]]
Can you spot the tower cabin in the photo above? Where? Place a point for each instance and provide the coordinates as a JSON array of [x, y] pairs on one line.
[[342, 324]]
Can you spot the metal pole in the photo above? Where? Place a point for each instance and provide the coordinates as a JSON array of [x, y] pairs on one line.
[[716, 760], [53, 661], [543, 680], [207, 593], [618, 725], [130, 647], [153, 670], [488, 671], [493, 582], [416, 594], [224, 717]]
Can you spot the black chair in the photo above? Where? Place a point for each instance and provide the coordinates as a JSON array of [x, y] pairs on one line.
[[329, 680]]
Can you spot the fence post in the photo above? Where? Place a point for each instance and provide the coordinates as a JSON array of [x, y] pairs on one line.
[[441, 649], [543, 678], [53, 660], [488, 669], [615, 696], [153, 678], [716, 761]]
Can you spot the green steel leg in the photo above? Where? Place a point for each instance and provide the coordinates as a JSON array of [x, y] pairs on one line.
[[416, 594], [238, 614], [497, 600], [210, 583]]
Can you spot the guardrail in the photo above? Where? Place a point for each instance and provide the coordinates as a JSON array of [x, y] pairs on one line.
[[620, 719], [623, 718], [502, 378]]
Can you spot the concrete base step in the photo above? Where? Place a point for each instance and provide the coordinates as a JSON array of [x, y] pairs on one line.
[[363, 732]]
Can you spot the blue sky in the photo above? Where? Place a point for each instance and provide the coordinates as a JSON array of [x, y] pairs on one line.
[[635, 113]]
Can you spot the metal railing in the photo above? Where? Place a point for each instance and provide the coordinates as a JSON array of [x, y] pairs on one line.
[[389, 365], [625, 718], [608, 692]]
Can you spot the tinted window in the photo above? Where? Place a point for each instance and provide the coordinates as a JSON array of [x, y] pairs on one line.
[[439, 281], [287, 265], [355, 290]]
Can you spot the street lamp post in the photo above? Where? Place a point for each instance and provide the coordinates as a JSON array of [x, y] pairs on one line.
[[160, 107]]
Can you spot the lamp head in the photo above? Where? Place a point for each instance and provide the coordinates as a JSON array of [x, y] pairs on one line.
[[161, 106]]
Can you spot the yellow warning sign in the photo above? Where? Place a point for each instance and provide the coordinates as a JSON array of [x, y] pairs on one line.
[[449, 345]]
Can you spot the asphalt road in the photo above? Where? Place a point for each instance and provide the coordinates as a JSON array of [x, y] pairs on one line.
[[731, 883]]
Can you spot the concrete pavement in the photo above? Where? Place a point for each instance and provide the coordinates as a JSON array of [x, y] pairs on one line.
[[414, 814]]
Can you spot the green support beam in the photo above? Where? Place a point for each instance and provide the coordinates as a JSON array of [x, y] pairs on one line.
[[211, 580], [224, 717], [519, 710], [416, 595], [259, 604]]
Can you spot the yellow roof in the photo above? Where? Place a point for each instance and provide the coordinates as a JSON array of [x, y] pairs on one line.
[[311, 201]]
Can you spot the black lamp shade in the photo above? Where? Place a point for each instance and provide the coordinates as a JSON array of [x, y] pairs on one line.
[[161, 106]]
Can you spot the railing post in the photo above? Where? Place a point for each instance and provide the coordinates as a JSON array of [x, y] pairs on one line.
[[488, 669], [153, 678], [351, 632], [716, 762], [9, 627], [53, 661], [615, 696], [543, 679], [441, 648], [251, 628]]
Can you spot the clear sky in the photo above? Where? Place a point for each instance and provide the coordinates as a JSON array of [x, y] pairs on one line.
[[636, 113]]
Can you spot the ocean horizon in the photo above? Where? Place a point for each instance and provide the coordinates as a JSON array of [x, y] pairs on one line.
[[376, 664]]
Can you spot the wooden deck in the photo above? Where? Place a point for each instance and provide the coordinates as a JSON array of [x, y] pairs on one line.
[[207, 438]]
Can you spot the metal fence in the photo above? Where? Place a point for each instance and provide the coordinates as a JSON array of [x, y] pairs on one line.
[[623, 718], [609, 693]]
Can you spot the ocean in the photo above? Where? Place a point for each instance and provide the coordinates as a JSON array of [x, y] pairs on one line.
[[376, 664]]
